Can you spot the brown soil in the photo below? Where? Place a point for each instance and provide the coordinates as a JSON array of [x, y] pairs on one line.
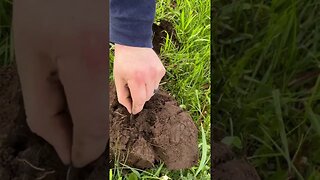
[[23, 155], [225, 163], [162, 131], [227, 167], [160, 34]]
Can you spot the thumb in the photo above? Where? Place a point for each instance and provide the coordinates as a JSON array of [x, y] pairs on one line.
[[123, 94]]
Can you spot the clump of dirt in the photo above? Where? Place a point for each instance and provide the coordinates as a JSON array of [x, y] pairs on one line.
[[23, 155], [226, 166], [160, 34], [161, 131]]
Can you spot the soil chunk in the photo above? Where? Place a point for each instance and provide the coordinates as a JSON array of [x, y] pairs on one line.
[[161, 131], [227, 167]]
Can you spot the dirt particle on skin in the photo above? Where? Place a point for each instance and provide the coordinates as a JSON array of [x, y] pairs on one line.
[[161, 131]]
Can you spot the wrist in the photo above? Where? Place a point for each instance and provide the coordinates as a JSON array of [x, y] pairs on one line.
[[121, 47]]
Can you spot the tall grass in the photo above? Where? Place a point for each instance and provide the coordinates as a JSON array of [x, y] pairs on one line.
[[187, 78], [268, 56], [6, 45]]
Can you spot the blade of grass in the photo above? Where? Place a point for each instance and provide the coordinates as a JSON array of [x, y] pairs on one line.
[[204, 152], [283, 135]]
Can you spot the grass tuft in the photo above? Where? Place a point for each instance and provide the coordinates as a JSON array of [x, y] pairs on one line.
[[267, 78]]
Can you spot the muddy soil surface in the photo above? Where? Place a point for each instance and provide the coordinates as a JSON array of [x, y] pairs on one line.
[[23, 155], [161, 131]]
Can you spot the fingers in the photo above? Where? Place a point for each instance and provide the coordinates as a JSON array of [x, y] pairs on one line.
[[138, 95], [56, 130], [142, 89], [88, 108], [123, 94], [142, 70], [88, 144], [86, 91]]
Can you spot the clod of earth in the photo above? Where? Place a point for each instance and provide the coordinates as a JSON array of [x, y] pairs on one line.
[[225, 163], [161, 131], [227, 167]]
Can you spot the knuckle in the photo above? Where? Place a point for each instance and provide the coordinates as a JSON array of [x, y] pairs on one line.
[[153, 72], [163, 71], [139, 75]]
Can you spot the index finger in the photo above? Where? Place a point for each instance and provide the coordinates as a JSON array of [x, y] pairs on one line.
[[123, 94], [138, 95]]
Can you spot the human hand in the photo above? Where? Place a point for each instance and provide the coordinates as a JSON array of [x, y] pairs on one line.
[[137, 73]]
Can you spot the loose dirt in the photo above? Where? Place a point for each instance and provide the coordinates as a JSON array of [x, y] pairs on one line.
[[160, 34], [162, 131]]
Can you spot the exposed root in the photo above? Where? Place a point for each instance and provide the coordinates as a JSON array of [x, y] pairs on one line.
[[31, 165], [45, 174]]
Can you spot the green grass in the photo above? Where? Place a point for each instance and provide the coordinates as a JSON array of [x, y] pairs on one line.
[[6, 45], [187, 79], [267, 83]]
